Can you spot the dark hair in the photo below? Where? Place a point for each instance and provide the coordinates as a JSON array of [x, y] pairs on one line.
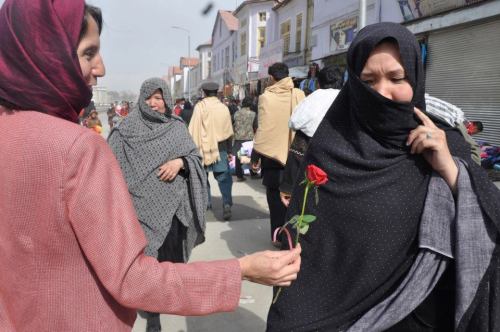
[[316, 66], [330, 77], [478, 125], [95, 13], [278, 70], [247, 102], [210, 93]]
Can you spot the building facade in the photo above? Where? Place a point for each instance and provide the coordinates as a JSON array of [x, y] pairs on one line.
[[224, 40], [252, 16], [460, 43]]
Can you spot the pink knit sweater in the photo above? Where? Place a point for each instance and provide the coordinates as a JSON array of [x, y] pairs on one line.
[[71, 248]]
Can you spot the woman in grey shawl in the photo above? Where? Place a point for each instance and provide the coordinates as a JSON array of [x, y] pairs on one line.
[[164, 174]]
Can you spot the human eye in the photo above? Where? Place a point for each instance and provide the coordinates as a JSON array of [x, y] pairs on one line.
[[399, 79], [90, 53]]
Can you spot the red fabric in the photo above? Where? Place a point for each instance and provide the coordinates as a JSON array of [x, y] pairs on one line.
[[177, 110], [38, 60], [71, 246]]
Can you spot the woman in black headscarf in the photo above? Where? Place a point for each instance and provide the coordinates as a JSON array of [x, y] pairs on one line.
[[405, 237]]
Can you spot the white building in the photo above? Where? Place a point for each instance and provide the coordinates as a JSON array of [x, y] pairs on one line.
[[174, 82], [186, 64], [100, 96], [224, 40], [290, 26], [201, 72], [252, 16]]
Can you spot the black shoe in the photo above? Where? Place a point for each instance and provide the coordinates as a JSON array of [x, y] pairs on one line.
[[226, 214], [240, 179]]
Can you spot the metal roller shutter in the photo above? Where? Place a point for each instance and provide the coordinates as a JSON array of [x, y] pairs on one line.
[[464, 69]]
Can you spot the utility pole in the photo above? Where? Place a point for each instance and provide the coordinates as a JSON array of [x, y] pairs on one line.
[[362, 14], [189, 58]]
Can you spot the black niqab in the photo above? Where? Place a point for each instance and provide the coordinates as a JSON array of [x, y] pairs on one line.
[[365, 237]]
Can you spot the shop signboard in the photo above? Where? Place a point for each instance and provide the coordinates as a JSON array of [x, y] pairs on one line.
[[342, 33], [415, 9]]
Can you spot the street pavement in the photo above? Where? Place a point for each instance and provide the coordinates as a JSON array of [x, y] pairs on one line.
[[248, 231]]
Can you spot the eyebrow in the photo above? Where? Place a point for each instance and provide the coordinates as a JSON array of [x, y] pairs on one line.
[[92, 48], [390, 72]]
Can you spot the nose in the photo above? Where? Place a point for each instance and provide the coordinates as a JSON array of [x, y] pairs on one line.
[[99, 70], [383, 87]]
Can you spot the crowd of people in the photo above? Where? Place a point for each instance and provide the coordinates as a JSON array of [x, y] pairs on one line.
[[407, 225]]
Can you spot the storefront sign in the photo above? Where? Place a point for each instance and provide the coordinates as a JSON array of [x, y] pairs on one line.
[[413, 9], [342, 33]]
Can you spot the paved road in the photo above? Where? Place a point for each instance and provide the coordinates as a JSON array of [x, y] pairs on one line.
[[247, 232]]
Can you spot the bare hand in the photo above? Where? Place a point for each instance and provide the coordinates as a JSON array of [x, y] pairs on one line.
[[430, 141], [229, 157], [272, 268], [170, 169], [285, 198]]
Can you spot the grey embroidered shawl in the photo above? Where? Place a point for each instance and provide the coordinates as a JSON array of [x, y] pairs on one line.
[[450, 229], [143, 142]]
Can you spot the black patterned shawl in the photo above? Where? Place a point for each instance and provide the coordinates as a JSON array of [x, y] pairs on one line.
[[365, 237]]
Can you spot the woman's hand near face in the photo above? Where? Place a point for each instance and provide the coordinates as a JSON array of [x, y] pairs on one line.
[[272, 268], [170, 169], [430, 141]]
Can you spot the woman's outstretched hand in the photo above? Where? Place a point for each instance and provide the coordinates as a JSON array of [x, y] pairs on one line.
[[430, 141], [170, 169], [272, 268]]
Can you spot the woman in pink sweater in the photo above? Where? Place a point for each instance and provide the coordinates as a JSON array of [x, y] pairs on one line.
[[72, 251]]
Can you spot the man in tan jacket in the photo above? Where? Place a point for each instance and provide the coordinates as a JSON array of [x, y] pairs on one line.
[[273, 137], [212, 132]]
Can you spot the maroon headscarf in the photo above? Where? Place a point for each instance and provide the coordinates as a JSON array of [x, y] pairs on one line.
[[39, 65]]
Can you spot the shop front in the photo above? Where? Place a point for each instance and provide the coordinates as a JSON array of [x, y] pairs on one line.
[[463, 68]]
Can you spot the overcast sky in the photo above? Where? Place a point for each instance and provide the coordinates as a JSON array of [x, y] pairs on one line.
[[138, 41]]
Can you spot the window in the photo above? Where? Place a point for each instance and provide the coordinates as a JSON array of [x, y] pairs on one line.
[[261, 39], [262, 16], [243, 43], [298, 34], [227, 57], [215, 62], [285, 35]]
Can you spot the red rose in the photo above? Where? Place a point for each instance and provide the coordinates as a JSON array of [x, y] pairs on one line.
[[316, 175]]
